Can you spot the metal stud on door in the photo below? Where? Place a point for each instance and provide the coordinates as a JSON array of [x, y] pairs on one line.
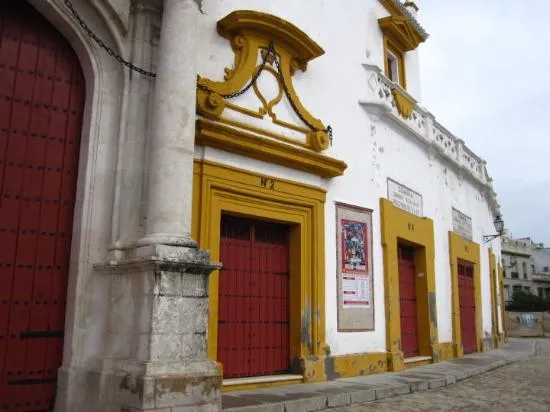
[[41, 105]]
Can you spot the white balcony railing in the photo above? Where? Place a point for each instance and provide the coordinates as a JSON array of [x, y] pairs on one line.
[[541, 277], [381, 101]]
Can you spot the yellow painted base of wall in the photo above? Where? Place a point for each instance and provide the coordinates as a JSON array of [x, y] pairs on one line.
[[345, 366], [446, 351]]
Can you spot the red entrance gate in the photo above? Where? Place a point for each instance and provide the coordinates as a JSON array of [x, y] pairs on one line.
[[41, 104], [253, 325], [467, 301], [407, 300]]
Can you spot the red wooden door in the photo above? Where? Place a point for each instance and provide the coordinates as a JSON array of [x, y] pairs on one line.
[[407, 301], [41, 104], [253, 319], [467, 306]]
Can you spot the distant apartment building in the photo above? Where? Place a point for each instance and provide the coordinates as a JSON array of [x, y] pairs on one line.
[[526, 267], [518, 265], [541, 274]]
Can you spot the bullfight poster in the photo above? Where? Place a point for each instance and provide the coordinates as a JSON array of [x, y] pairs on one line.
[[354, 263]]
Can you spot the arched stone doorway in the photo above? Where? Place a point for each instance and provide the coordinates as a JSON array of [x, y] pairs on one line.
[[41, 106]]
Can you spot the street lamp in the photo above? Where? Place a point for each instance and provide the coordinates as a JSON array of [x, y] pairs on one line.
[[499, 226]]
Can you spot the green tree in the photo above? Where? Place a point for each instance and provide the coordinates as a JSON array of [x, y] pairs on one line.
[[523, 301]]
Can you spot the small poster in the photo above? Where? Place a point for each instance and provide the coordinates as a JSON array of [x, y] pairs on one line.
[[354, 268], [354, 246], [355, 289]]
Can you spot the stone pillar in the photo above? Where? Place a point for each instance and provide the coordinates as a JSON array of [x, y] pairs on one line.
[[156, 339], [172, 132]]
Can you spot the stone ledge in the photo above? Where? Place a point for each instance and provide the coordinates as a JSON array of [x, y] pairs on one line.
[[361, 389]]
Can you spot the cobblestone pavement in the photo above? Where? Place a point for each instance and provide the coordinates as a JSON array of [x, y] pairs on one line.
[[522, 386]]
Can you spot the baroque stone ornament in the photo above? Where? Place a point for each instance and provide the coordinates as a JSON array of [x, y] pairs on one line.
[[282, 49]]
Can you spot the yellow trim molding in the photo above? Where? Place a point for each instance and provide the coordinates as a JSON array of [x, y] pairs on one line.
[[235, 140], [401, 32], [404, 104], [462, 249], [494, 306], [399, 226], [250, 34], [219, 189], [447, 350]]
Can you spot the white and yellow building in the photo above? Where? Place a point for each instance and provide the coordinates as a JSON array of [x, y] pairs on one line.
[[266, 202]]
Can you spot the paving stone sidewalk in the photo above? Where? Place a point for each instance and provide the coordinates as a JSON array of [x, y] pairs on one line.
[[358, 390]]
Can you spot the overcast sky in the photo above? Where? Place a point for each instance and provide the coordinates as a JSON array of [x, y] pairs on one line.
[[486, 77]]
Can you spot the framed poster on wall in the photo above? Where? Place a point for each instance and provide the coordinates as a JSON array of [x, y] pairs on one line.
[[354, 268]]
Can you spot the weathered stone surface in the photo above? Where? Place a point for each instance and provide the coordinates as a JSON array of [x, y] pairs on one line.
[[494, 391], [380, 386], [187, 390], [393, 390], [315, 403], [338, 399], [363, 396]]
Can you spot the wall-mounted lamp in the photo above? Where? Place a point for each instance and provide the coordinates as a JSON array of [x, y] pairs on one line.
[[499, 226]]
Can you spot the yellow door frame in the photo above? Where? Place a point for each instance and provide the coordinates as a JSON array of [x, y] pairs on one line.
[[462, 249], [400, 226], [219, 189]]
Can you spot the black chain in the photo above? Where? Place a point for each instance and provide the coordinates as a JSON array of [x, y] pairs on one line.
[[270, 52], [328, 130], [102, 44]]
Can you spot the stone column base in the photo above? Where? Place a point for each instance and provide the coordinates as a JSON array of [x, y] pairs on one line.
[[152, 355], [85, 390]]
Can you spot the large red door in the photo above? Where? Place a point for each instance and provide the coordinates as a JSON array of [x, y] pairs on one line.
[[253, 319], [467, 306], [41, 104], [407, 300]]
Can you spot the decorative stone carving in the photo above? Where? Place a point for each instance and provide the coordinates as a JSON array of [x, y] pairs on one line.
[[251, 34]]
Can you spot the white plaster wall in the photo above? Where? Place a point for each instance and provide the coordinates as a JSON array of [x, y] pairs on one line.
[[374, 151]]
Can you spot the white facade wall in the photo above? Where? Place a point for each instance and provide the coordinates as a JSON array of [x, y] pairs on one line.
[[374, 149], [111, 199]]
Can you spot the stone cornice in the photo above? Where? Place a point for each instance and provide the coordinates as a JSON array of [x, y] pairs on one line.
[[396, 8]]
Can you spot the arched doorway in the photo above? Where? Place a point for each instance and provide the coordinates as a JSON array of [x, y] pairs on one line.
[[41, 106]]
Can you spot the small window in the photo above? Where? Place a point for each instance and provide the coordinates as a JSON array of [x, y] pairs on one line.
[[541, 292], [392, 66], [515, 275], [546, 268]]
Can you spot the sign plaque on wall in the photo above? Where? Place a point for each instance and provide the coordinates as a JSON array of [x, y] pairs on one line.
[[404, 198], [354, 268], [462, 224]]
